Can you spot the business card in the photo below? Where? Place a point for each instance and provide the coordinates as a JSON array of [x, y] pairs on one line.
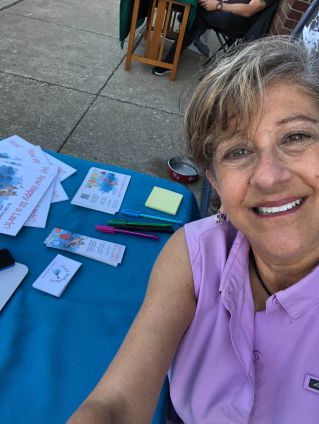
[[57, 275]]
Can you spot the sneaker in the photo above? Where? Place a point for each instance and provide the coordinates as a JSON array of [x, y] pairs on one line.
[[157, 70], [171, 35]]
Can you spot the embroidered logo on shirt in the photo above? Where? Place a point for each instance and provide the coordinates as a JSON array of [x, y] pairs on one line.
[[311, 383], [314, 384]]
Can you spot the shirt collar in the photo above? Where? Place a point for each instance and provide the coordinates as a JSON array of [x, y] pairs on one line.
[[301, 296], [236, 263]]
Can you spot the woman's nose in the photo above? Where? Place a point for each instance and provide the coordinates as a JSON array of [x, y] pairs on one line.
[[270, 172]]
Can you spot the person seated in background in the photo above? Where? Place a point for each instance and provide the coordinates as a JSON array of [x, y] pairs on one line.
[[232, 306], [232, 18]]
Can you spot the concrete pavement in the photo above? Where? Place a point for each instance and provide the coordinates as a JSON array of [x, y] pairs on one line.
[[63, 86]]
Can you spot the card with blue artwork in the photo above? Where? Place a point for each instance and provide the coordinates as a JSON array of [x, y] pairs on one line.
[[102, 190], [21, 189], [15, 147], [100, 250], [24, 153]]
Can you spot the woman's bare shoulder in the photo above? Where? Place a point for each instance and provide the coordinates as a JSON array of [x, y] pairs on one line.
[[174, 263]]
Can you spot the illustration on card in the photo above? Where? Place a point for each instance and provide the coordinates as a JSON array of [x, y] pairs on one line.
[[11, 158], [63, 239], [102, 190], [60, 274], [5, 156], [10, 183], [105, 181]]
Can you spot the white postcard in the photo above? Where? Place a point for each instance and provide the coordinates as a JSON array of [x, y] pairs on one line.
[[16, 143], [15, 147], [59, 194], [102, 190], [64, 170], [21, 189], [57, 275], [39, 215]]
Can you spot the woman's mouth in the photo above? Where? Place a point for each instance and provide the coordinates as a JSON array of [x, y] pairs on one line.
[[279, 209]]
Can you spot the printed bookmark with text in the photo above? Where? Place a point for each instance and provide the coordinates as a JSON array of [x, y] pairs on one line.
[[100, 250]]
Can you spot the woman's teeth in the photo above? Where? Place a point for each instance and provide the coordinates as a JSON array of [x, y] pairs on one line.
[[277, 209]]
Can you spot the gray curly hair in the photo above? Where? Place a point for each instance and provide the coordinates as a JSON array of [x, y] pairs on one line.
[[235, 88]]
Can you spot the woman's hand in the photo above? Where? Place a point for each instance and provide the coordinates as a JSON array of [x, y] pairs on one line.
[[247, 10], [208, 5]]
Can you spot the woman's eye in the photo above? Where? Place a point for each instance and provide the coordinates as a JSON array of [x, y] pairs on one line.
[[238, 153], [297, 138]]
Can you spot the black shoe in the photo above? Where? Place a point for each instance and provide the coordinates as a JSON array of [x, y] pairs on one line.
[[157, 70]]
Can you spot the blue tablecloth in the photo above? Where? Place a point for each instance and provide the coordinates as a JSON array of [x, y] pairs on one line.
[[54, 350]]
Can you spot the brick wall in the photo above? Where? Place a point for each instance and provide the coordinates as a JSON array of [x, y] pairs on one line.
[[287, 15]]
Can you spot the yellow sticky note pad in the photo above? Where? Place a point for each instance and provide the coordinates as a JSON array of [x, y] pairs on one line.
[[164, 200]]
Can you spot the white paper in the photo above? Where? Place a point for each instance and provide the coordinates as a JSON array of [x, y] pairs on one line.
[[21, 190], [59, 194], [15, 147], [39, 215], [57, 275], [102, 190], [18, 149], [64, 170]]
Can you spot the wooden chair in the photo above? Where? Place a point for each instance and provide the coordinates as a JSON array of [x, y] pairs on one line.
[[160, 23]]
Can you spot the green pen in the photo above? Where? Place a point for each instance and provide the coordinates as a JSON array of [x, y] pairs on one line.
[[139, 226]]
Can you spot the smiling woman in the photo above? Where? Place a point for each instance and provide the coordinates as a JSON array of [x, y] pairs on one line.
[[260, 146], [232, 310]]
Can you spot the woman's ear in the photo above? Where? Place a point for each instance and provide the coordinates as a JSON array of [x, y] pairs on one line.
[[212, 179]]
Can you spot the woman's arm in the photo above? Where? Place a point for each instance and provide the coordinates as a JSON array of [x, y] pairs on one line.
[[242, 9], [128, 391]]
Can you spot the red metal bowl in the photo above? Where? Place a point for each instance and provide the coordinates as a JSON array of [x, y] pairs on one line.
[[182, 169]]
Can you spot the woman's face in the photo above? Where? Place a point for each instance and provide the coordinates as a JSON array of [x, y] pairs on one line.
[[268, 177]]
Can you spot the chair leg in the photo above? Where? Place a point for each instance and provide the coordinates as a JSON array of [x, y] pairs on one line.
[[127, 66], [182, 30], [161, 10], [165, 29], [150, 19], [223, 41]]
